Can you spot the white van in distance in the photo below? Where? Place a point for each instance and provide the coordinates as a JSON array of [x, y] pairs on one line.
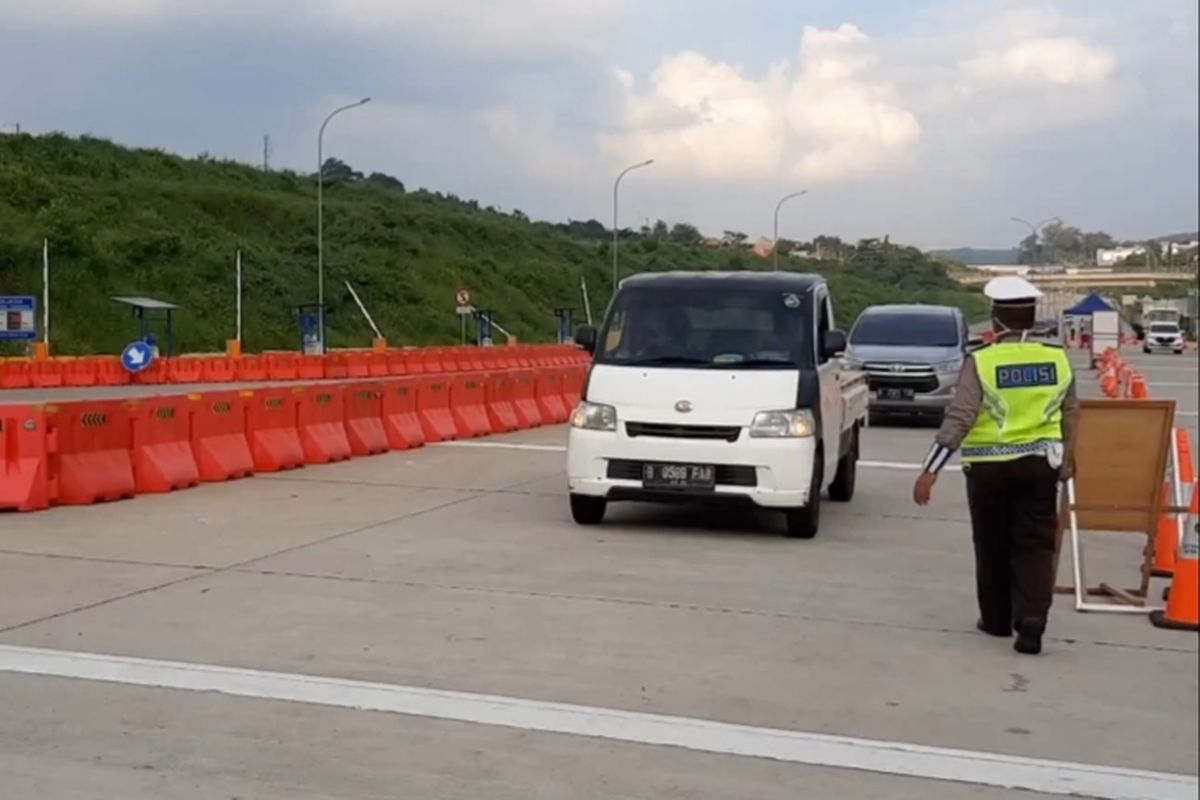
[[718, 387]]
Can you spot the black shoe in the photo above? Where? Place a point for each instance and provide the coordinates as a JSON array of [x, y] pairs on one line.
[[1001, 633], [1029, 636]]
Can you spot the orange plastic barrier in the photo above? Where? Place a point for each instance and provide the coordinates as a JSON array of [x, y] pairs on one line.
[[1166, 540], [320, 418], [525, 404], [14, 373], [414, 362], [24, 462], [379, 365], [162, 444], [468, 406], [217, 369], [79, 371], [283, 366], [251, 368], [46, 374], [310, 368], [185, 370], [155, 374], [218, 436], [431, 360], [500, 411], [336, 365], [271, 429], [109, 372], [396, 363], [549, 393], [94, 440], [433, 409], [358, 365], [573, 378], [364, 419], [400, 420]]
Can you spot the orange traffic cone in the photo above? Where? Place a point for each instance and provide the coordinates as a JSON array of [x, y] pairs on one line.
[[1183, 602], [1137, 386]]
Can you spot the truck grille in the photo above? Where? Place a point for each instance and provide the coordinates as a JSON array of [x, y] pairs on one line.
[[917, 378], [727, 433], [620, 469]]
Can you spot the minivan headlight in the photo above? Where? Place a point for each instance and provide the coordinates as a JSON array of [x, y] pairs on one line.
[[782, 425], [594, 417], [947, 367]]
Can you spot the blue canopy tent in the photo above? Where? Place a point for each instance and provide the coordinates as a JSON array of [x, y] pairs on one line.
[[1088, 306]]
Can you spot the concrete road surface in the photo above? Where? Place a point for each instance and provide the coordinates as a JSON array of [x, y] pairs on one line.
[[430, 624]]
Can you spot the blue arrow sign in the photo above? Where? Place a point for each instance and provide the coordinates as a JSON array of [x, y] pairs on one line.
[[137, 356]]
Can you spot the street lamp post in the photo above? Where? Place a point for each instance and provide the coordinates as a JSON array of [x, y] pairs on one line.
[[616, 230], [1035, 231], [321, 217], [775, 240]]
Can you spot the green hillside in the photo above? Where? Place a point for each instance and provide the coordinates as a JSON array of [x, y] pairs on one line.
[[140, 222]]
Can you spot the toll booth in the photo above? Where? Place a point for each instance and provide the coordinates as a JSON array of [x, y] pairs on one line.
[[152, 314], [564, 324]]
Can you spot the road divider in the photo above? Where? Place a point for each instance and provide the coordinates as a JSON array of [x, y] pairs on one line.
[[89, 451]]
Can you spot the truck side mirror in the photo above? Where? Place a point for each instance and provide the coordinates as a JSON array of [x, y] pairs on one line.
[[585, 338], [833, 343]]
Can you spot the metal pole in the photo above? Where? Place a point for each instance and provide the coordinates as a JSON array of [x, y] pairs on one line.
[[364, 311], [239, 296], [616, 230], [587, 304], [1035, 229], [775, 239], [46, 293], [321, 217]]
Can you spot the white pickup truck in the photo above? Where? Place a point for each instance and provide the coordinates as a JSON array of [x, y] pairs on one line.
[[718, 387]]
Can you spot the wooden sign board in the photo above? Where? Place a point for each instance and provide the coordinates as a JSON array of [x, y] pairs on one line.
[[1121, 455]]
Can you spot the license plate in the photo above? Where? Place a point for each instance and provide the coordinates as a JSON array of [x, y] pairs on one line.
[[678, 476], [895, 394]]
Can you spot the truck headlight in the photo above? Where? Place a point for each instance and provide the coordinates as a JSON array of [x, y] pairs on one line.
[[594, 417], [782, 425], [947, 367]]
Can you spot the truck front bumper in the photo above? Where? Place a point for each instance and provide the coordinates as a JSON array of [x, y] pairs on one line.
[[770, 473]]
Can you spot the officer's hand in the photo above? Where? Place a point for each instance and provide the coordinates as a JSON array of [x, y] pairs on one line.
[[1067, 470], [923, 488], [923, 491]]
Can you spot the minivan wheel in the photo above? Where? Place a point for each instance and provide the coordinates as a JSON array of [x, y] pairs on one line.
[[586, 510], [842, 488]]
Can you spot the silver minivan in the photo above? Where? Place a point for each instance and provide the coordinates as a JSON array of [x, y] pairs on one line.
[[912, 355]]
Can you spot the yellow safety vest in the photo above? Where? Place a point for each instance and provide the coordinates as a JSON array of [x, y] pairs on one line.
[[1024, 386]]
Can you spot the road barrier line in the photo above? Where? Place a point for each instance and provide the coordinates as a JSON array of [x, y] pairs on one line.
[[798, 747]]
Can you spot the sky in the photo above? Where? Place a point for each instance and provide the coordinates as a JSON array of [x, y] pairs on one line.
[[933, 123]]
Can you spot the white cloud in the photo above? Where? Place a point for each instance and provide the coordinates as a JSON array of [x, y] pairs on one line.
[[705, 119], [1047, 60]]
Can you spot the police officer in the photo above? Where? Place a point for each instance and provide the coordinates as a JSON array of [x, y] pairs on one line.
[[1013, 416]]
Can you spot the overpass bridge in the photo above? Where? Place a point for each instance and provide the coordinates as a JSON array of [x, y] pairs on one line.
[[1080, 281]]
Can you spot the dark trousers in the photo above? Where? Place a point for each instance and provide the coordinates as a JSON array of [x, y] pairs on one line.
[[1014, 517]]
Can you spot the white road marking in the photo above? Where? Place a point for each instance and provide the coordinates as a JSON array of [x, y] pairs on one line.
[[545, 448], [1176, 385], [558, 448], [1187, 413], [799, 747]]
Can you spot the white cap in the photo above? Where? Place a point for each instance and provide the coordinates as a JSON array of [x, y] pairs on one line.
[[1011, 287]]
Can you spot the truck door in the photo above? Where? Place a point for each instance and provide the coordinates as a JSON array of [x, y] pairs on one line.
[[831, 392]]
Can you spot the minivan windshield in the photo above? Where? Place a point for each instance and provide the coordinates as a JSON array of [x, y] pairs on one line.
[[906, 329], [708, 328]]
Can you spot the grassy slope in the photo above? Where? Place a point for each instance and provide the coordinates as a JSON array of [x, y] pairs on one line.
[[141, 222]]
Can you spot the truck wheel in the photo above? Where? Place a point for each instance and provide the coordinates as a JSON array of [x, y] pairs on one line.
[[803, 522], [587, 510], [842, 488]]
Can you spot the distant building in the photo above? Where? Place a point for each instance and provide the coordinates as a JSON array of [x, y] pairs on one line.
[[763, 247], [1111, 256]]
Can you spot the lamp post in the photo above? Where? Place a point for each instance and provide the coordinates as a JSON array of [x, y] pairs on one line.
[[616, 230], [321, 216], [1035, 230], [775, 240]]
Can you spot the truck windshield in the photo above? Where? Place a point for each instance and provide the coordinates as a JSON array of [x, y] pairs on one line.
[[706, 328], [906, 330]]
